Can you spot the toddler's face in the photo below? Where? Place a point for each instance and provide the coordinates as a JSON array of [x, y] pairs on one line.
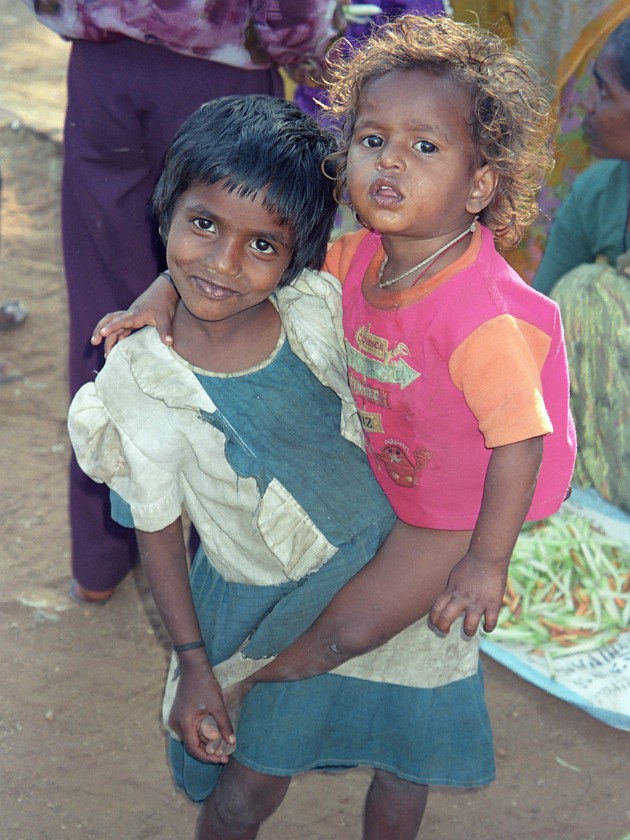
[[226, 253], [410, 164]]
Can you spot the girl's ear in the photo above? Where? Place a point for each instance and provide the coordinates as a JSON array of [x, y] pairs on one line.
[[483, 187]]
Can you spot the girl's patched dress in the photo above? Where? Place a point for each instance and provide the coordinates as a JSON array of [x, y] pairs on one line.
[[287, 510]]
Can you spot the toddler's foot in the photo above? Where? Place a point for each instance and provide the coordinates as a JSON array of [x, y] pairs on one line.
[[233, 697], [216, 747]]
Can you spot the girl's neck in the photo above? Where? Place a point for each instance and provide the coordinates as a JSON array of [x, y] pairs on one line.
[[229, 346]]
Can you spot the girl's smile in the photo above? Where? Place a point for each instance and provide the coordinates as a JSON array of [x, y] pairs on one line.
[[212, 289]]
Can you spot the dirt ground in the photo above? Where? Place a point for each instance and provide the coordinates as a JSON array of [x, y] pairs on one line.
[[81, 752]]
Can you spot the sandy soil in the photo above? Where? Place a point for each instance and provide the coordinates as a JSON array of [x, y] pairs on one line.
[[81, 752]]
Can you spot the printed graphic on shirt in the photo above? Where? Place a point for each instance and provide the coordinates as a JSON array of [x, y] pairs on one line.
[[403, 467], [370, 421], [373, 358], [371, 393], [382, 363]]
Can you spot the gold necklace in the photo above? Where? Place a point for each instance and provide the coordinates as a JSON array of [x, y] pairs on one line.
[[383, 284]]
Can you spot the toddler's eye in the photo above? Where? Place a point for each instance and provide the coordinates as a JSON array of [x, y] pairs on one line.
[[426, 147], [372, 141], [263, 247], [204, 224]]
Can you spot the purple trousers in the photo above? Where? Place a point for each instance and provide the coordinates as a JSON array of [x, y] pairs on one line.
[[126, 100]]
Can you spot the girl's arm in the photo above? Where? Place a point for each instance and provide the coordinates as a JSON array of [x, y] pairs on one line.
[[477, 583], [155, 307], [163, 556]]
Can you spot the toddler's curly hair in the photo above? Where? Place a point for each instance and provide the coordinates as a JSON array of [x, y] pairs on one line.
[[510, 118]]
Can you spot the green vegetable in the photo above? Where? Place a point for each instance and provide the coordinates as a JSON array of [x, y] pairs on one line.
[[568, 588]]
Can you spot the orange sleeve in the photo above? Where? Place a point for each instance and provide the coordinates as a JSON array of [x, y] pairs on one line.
[[497, 368], [341, 253]]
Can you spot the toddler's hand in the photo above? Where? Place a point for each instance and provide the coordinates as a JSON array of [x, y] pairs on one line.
[[475, 589]]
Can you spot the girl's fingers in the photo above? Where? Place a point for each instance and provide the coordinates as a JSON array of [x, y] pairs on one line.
[[164, 326], [113, 339], [112, 321]]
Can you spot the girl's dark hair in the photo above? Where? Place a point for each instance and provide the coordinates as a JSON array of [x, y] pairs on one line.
[[255, 143], [620, 42], [509, 119]]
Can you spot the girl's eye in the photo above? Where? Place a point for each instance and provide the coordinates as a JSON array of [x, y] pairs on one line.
[[426, 147], [372, 141], [204, 224], [263, 247]]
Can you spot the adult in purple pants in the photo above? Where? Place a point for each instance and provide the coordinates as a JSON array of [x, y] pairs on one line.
[[136, 71]]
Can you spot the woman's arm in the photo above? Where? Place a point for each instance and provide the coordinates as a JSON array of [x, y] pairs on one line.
[[155, 308], [163, 556]]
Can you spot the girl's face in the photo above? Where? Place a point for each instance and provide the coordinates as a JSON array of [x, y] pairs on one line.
[[411, 169], [607, 104], [226, 253]]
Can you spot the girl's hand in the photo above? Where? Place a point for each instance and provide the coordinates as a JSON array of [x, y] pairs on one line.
[[115, 326], [475, 589], [199, 695], [154, 308]]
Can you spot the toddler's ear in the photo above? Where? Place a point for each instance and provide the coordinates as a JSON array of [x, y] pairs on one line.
[[482, 189]]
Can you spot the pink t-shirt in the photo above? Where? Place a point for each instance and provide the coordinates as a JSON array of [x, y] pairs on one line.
[[442, 376]]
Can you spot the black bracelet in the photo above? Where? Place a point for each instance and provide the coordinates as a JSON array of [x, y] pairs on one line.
[[167, 276], [189, 646]]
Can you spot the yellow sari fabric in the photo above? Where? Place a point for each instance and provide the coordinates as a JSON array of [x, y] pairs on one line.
[[563, 40]]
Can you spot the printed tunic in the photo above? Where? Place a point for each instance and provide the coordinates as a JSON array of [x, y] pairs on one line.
[[444, 372]]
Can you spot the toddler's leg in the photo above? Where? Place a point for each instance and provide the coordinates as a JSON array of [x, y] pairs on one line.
[[242, 799], [395, 589], [393, 808]]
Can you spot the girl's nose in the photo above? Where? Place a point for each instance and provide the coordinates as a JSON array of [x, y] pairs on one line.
[[223, 258]]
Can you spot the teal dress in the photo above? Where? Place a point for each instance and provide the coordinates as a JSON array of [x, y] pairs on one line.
[[591, 223], [284, 425]]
